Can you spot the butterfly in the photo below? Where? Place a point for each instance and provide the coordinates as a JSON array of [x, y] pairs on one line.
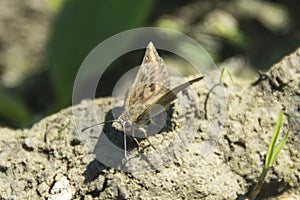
[[150, 88]]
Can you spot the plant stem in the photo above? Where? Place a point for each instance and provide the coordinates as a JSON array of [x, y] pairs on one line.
[[256, 189]]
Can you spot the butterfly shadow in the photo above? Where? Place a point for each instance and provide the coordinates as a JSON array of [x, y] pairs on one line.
[[109, 148], [110, 134], [106, 158]]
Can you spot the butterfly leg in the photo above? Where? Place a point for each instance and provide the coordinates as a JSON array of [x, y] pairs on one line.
[[146, 137], [137, 142]]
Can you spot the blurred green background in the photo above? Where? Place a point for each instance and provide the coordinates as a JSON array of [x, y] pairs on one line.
[[43, 43]]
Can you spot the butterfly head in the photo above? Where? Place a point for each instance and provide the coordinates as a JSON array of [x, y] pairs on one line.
[[127, 126], [123, 125]]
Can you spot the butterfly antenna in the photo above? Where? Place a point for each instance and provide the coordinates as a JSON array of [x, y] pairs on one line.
[[86, 128]]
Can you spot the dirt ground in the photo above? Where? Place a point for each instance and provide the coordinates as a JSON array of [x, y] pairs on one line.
[[213, 147]]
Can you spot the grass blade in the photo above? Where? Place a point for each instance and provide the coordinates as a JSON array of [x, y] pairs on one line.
[[270, 153]]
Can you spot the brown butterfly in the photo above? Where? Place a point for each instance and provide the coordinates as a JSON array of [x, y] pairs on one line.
[[150, 88]]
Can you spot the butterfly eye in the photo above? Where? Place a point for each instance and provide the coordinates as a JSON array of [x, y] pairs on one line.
[[127, 126]]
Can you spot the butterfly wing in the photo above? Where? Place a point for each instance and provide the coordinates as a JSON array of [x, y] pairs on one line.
[[151, 81], [166, 99], [170, 96], [150, 87]]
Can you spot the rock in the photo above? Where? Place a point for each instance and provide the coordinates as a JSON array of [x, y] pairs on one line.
[[61, 190]]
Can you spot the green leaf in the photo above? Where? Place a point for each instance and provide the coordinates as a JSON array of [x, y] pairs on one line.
[[58, 135], [271, 155], [13, 109], [54, 5], [278, 148], [81, 26], [225, 69]]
